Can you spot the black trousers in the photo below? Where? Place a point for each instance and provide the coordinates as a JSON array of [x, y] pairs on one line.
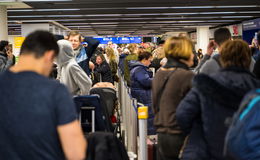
[[169, 146]]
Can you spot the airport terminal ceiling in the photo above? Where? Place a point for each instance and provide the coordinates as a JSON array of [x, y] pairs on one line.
[[134, 17]]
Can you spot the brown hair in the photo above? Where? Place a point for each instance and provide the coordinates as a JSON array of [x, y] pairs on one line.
[[178, 47], [144, 55], [74, 33], [235, 53]]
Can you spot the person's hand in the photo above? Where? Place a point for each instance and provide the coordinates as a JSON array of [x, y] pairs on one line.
[[91, 66], [9, 54], [211, 47]]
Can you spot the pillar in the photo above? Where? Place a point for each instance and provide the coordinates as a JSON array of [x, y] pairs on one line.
[[202, 38], [3, 23]]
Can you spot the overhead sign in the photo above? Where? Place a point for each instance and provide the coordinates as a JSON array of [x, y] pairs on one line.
[[252, 24], [119, 40]]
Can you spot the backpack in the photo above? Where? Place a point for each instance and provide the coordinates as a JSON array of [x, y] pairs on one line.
[[242, 141]]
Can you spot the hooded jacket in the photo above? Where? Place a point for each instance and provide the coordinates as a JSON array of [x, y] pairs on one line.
[[141, 89], [208, 107], [141, 82], [69, 72], [5, 63]]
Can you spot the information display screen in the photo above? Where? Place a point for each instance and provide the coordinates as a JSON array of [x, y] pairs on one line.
[[119, 40]]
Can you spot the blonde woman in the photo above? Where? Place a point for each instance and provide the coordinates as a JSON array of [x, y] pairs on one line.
[[112, 63], [169, 86]]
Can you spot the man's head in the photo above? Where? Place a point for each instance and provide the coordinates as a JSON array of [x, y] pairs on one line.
[[41, 46], [221, 35], [75, 38], [110, 44]]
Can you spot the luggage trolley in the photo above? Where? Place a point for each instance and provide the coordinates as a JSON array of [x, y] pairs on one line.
[[90, 113]]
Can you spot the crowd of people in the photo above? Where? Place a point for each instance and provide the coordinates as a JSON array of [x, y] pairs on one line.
[[190, 95]]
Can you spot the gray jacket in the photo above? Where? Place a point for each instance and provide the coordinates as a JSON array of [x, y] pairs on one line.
[[212, 66], [5, 63], [69, 72]]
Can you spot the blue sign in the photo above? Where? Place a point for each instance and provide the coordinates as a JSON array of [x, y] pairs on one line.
[[118, 40], [252, 24]]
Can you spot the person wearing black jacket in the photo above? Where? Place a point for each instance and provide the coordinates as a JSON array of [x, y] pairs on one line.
[[102, 71]]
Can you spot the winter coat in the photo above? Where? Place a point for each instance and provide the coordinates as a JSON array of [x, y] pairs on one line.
[[121, 62], [205, 110], [213, 65], [69, 72], [141, 85], [5, 63], [104, 71], [141, 82], [179, 83]]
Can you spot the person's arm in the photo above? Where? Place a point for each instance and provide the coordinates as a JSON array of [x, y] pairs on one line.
[[92, 45], [188, 110], [210, 49], [59, 37], [72, 141], [71, 137]]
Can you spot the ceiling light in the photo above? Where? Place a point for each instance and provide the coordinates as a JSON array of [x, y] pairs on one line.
[[44, 0], [41, 10], [147, 8]]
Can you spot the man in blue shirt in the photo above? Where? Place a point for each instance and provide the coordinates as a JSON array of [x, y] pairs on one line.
[[37, 115]]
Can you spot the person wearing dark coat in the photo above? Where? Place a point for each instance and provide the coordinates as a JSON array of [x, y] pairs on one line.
[[102, 71], [141, 84], [169, 86], [205, 111]]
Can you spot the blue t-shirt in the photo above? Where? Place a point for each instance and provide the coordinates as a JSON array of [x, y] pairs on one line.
[[31, 108]]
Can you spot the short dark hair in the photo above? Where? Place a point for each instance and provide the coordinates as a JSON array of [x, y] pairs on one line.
[[235, 53], [144, 55], [221, 35], [38, 42], [3, 44]]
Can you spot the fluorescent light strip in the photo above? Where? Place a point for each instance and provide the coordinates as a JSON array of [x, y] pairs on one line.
[[45, 0], [245, 6], [236, 17], [148, 8], [42, 10]]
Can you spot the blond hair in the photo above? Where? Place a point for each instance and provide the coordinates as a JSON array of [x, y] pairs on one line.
[[178, 48], [132, 48], [110, 54]]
